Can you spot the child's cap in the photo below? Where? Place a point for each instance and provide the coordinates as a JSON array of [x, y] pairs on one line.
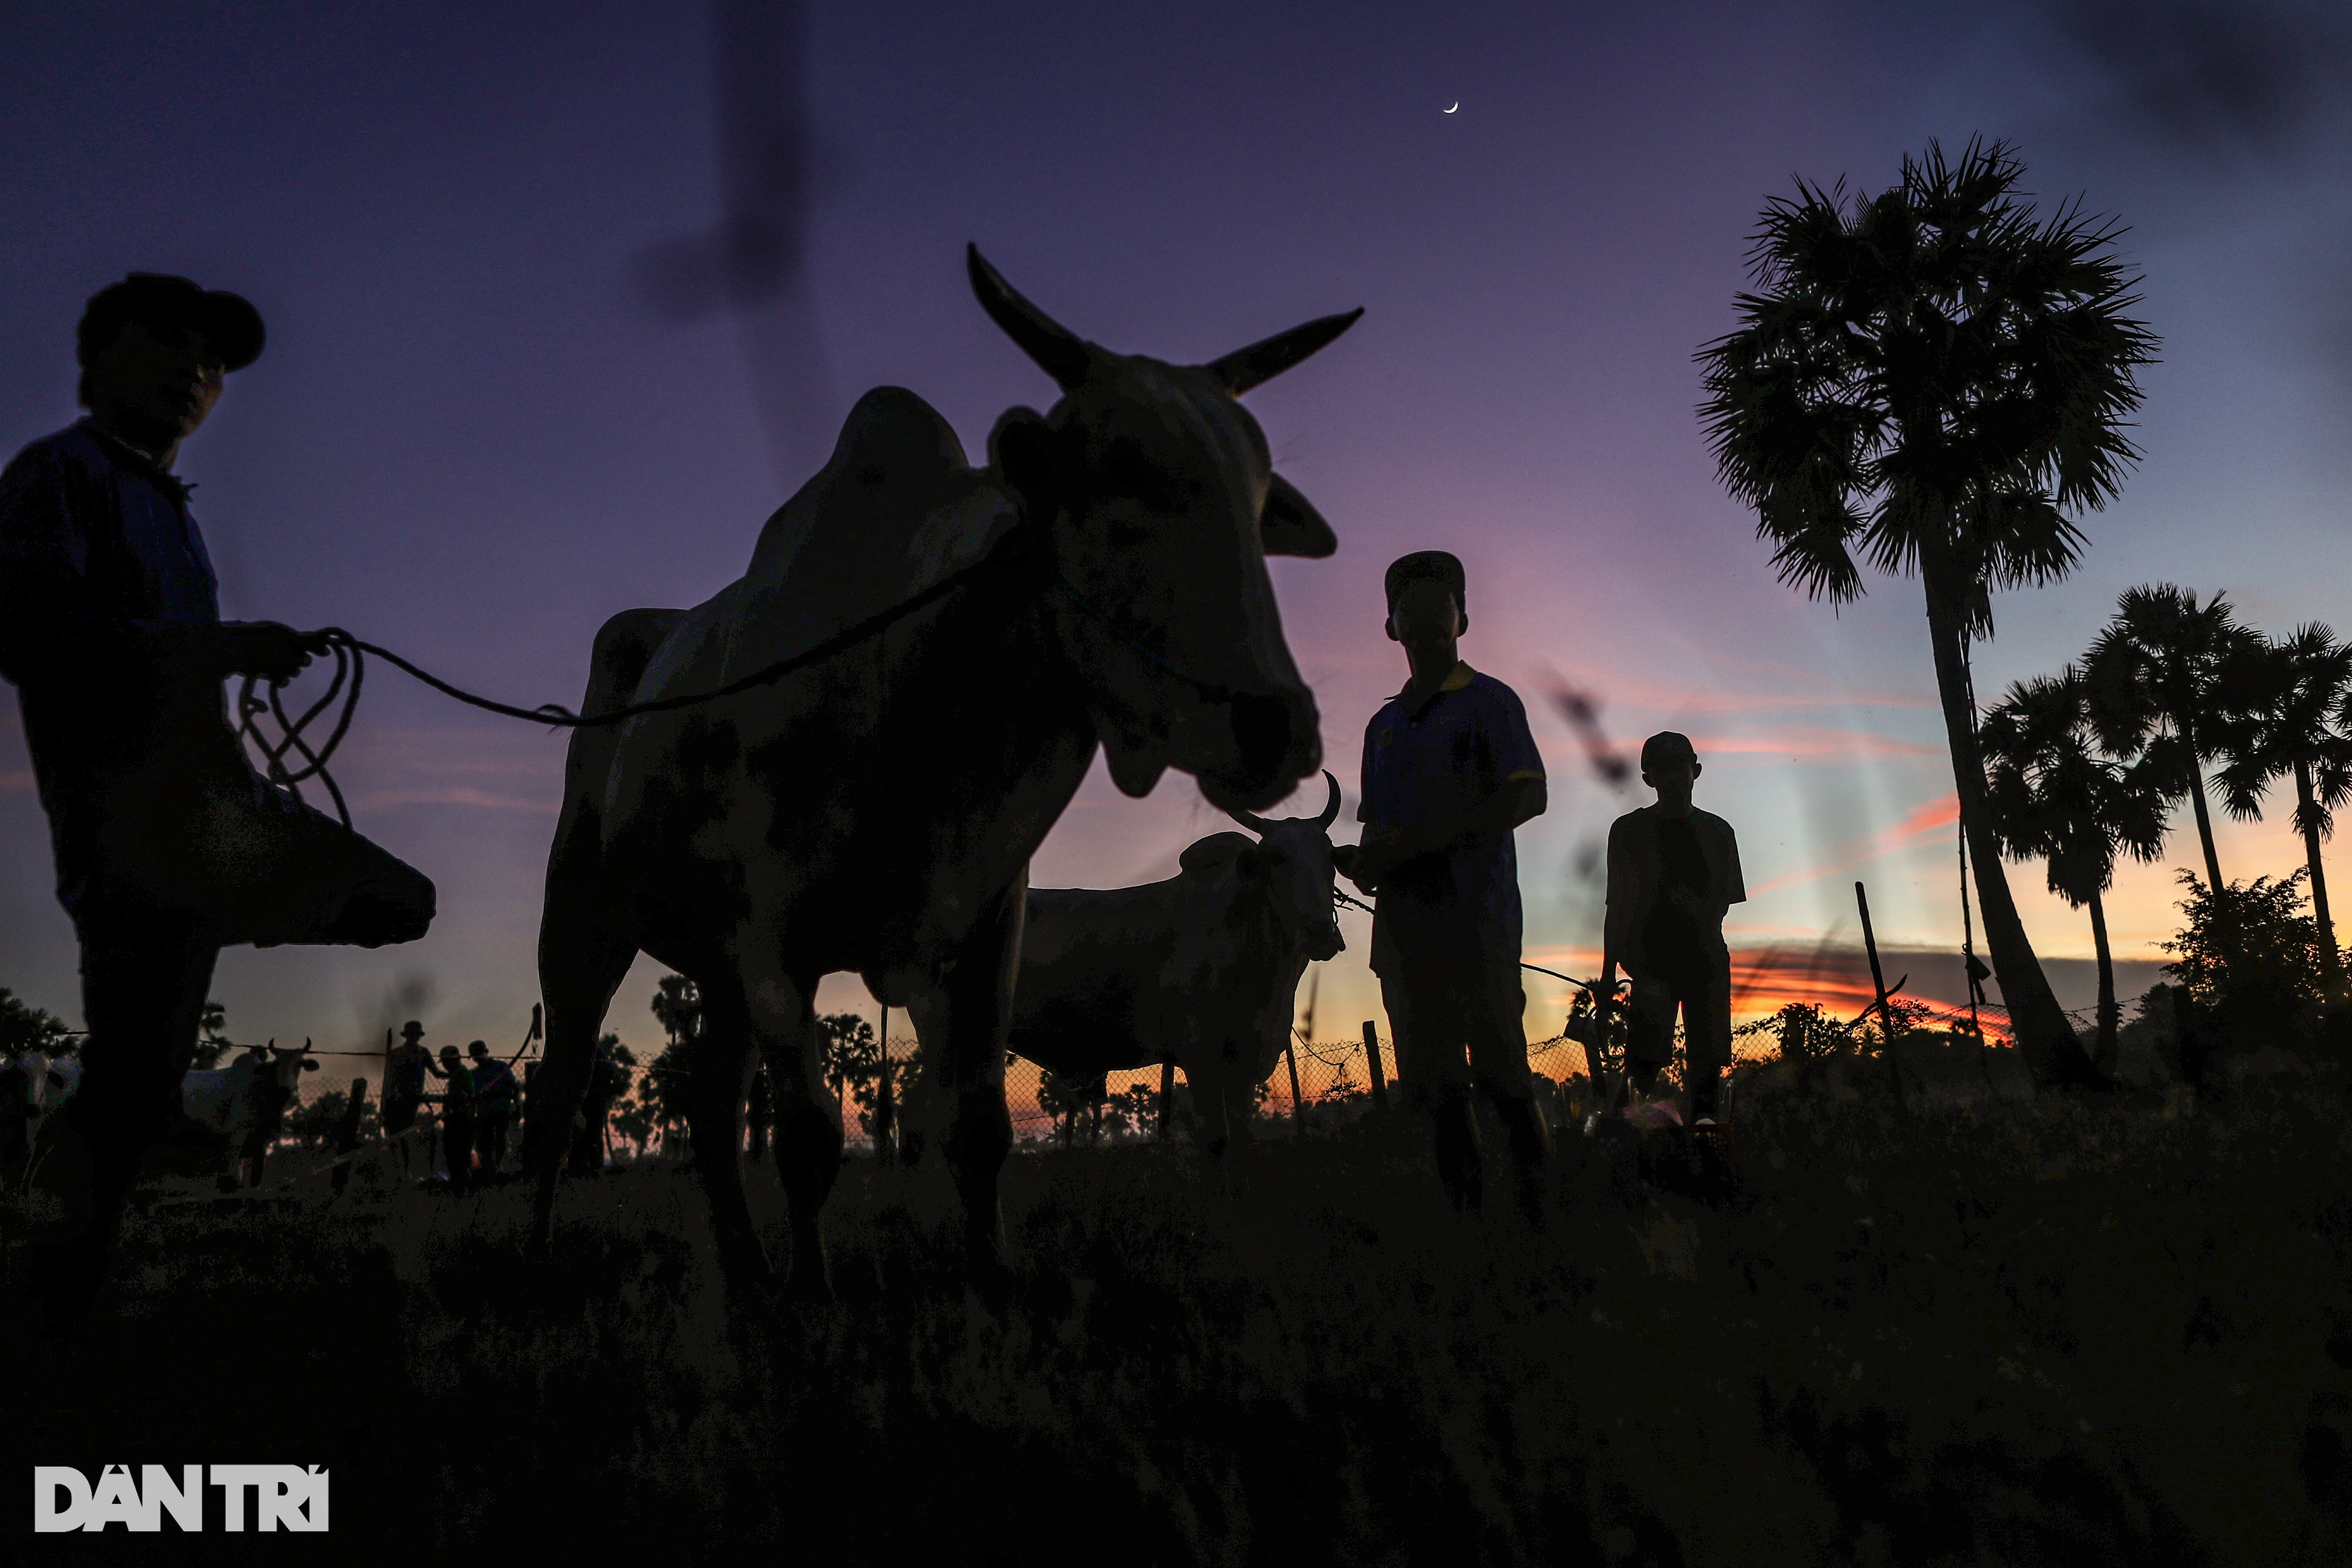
[[1666, 746], [1427, 566]]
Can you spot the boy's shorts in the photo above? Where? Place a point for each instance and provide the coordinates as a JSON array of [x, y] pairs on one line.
[[1456, 1010], [1702, 991]]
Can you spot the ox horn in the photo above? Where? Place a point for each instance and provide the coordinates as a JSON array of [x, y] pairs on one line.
[[1261, 362], [1331, 810], [1059, 352]]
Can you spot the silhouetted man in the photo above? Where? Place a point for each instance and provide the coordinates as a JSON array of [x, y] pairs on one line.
[[494, 1094], [458, 1112], [1450, 770], [168, 845], [404, 1066], [1673, 870]]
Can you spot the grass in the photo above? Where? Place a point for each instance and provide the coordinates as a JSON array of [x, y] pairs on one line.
[[2074, 1330]]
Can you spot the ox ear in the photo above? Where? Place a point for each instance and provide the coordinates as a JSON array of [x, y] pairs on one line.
[[1214, 853], [1290, 526], [1268, 358], [1021, 448]]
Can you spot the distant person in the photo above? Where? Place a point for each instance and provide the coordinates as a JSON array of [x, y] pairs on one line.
[[1674, 871], [760, 1111], [494, 1094], [404, 1068], [16, 1119], [606, 1081], [1450, 770], [168, 845], [458, 1116]]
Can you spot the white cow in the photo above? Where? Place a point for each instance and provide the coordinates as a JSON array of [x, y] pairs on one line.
[[876, 811], [1202, 970], [244, 1102]]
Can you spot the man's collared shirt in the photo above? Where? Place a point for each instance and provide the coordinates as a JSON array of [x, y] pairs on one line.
[[1449, 756], [99, 555]]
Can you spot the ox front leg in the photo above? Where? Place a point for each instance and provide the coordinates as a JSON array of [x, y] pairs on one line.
[[581, 965], [782, 1017], [714, 1116], [975, 997]]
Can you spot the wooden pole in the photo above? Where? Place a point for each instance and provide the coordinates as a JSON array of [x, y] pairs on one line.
[[1885, 1016], [1372, 1055], [884, 1123], [1167, 1096], [1298, 1105]]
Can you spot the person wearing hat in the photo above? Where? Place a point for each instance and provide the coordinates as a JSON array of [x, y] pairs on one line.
[[494, 1087], [404, 1066], [1450, 770], [459, 1117], [168, 845], [1674, 871]]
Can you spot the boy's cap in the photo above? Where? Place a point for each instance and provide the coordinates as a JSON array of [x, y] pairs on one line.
[[228, 322], [447, 1052], [1427, 566], [479, 1048], [1667, 746]]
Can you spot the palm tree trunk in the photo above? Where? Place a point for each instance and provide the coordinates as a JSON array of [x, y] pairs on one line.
[[2041, 1026], [2308, 813], [2204, 817], [2103, 1057]]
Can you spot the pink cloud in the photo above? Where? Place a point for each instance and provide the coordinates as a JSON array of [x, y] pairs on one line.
[[1924, 823]]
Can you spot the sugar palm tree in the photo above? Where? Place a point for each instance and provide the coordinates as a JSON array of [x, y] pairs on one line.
[[2155, 674], [1934, 382], [2289, 705], [2054, 798]]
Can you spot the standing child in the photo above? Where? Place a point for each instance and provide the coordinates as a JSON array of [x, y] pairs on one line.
[[1674, 871], [1450, 770]]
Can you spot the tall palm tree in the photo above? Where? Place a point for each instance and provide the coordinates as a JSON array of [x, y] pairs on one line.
[[2156, 690], [1933, 380], [2055, 798], [2290, 705]]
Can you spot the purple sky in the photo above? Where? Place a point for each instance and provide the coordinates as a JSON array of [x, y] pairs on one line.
[[472, 439]]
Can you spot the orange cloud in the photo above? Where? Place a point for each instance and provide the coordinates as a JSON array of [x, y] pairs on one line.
[[1924, 823]]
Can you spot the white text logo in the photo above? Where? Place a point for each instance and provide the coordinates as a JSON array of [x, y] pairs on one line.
[[285, 1497]]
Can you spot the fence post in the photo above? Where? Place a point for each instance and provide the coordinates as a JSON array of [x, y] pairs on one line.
[[347, 1133], [1885, 1018], [1167, 1095], [1372, 1054]]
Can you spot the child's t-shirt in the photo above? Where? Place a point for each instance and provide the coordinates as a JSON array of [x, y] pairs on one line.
[[1450, 755]]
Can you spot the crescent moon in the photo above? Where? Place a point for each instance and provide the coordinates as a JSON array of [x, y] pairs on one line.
[[1457, 103]]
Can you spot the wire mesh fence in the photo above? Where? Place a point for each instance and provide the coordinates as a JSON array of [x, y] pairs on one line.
[[1335, 1081]]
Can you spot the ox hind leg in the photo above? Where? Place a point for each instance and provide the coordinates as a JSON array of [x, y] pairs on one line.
[[779, 1010], [582, 962], [714, 1116]]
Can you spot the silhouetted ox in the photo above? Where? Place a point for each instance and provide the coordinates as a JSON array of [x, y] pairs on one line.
[[1201, 970], [876, 811]]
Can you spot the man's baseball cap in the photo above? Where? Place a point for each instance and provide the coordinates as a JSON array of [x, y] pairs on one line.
[[411, 1029], [228, 321], [1667, 746], [1427, 566]]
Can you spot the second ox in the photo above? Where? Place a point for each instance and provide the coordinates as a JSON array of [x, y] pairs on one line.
[[1101, 582], [1202, 970]]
